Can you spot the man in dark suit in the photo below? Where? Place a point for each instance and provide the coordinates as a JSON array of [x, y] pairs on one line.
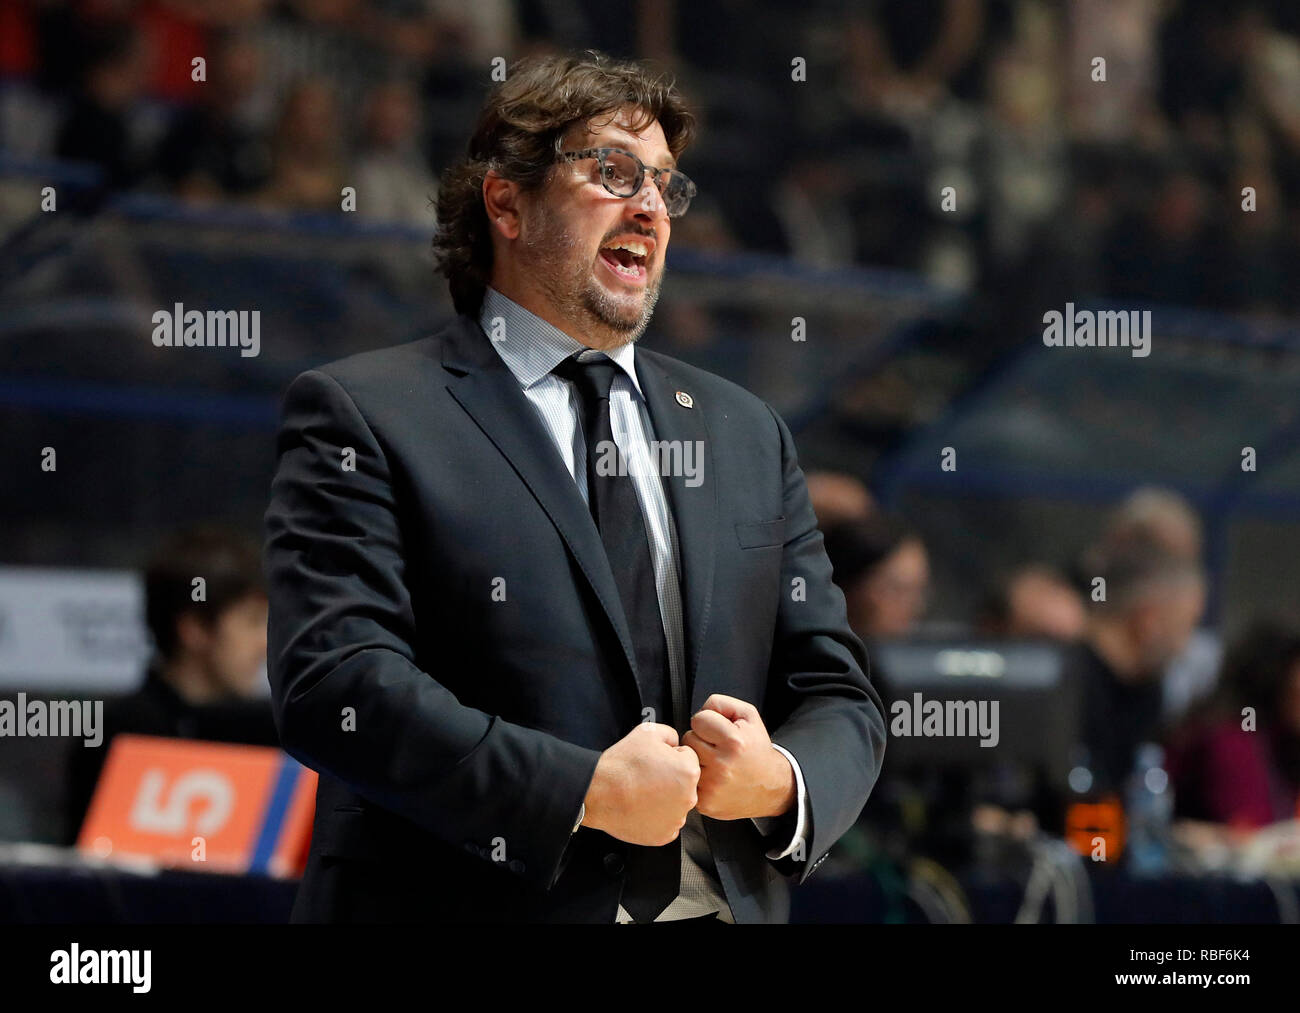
[[550, 613]]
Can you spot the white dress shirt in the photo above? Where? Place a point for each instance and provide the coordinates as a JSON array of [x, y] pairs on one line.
[[531, 348]]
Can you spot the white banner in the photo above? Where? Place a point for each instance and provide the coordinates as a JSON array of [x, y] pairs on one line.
[[65, 629]]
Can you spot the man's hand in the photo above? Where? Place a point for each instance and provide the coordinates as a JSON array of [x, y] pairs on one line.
[[643, 787], [741, 774]]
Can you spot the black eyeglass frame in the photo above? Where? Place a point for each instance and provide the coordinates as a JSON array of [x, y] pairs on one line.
[[600, 154]]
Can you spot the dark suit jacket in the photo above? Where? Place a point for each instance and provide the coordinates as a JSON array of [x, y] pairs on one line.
[[456, 734]]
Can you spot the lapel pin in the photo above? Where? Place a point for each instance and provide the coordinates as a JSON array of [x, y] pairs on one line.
[[685, 400]]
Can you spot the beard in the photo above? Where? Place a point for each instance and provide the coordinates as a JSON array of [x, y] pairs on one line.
[[610, 319]]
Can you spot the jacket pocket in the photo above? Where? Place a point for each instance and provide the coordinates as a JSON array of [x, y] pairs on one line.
[[756, 534]]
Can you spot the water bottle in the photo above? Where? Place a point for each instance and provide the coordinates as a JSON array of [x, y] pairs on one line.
[[1149, 806]]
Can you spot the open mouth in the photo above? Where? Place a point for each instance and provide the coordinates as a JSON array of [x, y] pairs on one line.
[[626, 258]]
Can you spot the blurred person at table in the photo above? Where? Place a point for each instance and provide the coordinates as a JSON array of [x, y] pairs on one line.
[[1035, 601], [1236, 760], [1137, 622], [881, 565], [204, 681], [1169, 520]]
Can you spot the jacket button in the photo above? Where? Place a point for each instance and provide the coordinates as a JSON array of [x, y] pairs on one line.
[[614, 863], [516, 865]]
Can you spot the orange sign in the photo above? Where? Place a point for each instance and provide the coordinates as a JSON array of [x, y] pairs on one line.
[[1086, 822], [202, 805]]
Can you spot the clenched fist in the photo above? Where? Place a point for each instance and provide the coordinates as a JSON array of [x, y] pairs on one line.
[[643, 787], [741, 774]]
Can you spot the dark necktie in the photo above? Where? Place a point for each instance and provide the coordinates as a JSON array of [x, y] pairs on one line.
[[653, 874]]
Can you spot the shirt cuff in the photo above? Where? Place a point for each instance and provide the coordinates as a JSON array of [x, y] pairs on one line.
[[766, 824]]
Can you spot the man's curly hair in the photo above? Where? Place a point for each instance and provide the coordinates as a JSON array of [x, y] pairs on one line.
[[519, 132]]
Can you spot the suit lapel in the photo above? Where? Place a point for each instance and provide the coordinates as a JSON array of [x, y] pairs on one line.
[[488, 391], [694, 507], [484, 386]]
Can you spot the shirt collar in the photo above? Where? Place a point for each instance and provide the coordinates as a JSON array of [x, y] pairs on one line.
[[531, 347]]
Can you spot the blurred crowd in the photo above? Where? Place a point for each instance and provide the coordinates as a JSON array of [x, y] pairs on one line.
[[1156, 690], [1098, 147]]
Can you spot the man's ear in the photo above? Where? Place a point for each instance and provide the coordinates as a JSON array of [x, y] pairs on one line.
[[501, 198]]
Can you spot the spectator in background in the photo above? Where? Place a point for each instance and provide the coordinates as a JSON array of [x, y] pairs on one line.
[[884, 571], [308, 169], [1036, 601], [1244, 772], [811, 202], [908, 54], [1153, 600], [358, 44], [221, 147], [323, 39], [1161, 515], [99, 127], [473, 33], [838, 497], [1168, 519], [1254, 262], [393, 183], [209, 656], [1202, 77], [1165, 251], [882, 567], [1124, 33], [1026, 169]]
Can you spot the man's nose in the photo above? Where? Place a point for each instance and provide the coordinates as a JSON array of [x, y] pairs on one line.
[[649, 202]]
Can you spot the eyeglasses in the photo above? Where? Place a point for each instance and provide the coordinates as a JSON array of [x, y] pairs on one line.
[[622, 174]]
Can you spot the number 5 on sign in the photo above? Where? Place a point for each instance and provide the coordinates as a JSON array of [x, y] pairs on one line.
[[201, 805], [154, 813]]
